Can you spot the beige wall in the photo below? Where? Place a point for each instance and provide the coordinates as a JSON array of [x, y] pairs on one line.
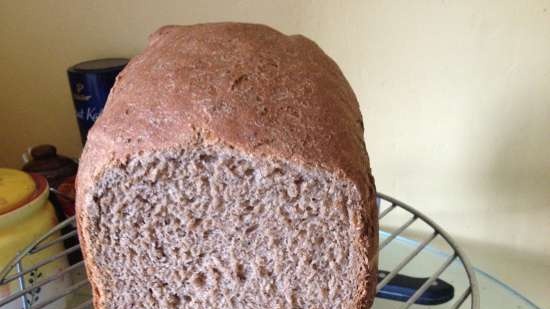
[[455, 95]]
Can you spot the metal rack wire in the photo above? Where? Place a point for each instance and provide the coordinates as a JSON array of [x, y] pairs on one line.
[[78, 296], [472, 291]]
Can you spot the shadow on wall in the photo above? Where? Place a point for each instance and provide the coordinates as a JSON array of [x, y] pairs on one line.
[[521, 163], [515, 177]]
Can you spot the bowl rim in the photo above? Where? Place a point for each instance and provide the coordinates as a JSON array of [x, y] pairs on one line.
[[30, 204]]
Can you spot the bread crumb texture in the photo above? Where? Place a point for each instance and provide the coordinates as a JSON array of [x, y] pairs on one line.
[[210, 228]]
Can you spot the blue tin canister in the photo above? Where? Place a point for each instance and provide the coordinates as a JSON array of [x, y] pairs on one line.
[[90, 83]]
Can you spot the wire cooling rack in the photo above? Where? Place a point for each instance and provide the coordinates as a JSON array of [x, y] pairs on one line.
[[76, 294]]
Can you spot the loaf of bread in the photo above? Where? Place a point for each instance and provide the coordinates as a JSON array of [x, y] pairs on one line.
[[229, 170]]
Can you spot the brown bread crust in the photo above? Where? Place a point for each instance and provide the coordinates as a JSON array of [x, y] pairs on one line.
[[246, 86]]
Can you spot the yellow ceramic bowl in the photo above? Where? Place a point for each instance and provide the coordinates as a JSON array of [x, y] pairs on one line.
[[31, 203], [15, 187], [20, 226]]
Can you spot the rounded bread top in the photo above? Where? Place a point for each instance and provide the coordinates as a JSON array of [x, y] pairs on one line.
[[247, 86]]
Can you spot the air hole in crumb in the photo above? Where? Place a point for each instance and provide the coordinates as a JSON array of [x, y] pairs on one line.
[[187, 298], [239, 272], [207, 158], [251, 229], [260, 209], [176, 251], [345, 211], [173, 300], [324, 292], [216, 272], [199, 280], [196, 222], [263, 271], [160, 252], [294, 301], [249, 172]]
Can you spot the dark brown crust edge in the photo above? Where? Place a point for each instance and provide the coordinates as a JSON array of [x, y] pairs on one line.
[[315, 115]]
